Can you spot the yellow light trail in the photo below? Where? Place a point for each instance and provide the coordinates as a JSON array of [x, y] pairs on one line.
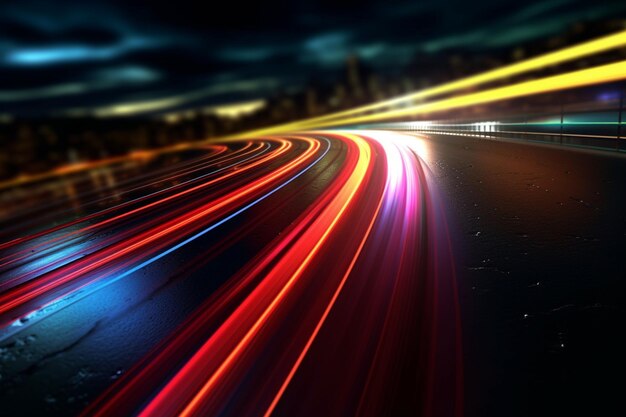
[[596, 75], [589, 48]]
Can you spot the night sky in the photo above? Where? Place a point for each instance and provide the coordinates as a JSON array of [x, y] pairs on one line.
[[74, 58]]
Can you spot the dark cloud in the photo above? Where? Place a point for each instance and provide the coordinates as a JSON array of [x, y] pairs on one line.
[[62, 54]]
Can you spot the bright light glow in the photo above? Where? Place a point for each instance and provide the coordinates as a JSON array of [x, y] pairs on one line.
[[235, 110], [595, 75], [564, 55]]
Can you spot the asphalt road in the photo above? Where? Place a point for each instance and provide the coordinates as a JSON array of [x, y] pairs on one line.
[[540, 235]]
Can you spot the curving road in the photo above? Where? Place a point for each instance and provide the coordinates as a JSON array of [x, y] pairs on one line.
[[306, 274]]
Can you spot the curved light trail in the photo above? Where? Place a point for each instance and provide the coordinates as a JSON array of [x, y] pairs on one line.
[[607, 73], [318, 266], [348, 308], [582, 50]]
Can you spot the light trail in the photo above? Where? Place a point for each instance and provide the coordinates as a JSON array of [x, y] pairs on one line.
[[60, 239], [236, 159], [77, 167], [282, 277], [369, 220], [582, 78], [345, 117], [142, 182], [150, 240], [354, 290]]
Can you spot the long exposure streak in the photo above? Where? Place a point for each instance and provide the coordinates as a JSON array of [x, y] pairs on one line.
[[395, 209], [364, 269]]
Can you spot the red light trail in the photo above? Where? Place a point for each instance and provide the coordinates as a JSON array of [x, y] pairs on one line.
[[357, 294], [368, 263]]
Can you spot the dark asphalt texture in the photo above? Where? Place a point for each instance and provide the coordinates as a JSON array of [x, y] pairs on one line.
[[540, 243]]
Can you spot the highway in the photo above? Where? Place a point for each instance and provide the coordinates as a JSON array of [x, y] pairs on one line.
[[309, 274], [462, 255], [345, 272]]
